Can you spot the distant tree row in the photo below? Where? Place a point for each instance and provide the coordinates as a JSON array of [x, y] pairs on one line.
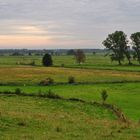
[[119, 46]]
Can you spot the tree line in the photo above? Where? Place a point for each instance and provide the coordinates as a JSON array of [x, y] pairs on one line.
[[119, 46]]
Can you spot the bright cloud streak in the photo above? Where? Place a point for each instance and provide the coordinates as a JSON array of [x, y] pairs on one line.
[[30, 30]]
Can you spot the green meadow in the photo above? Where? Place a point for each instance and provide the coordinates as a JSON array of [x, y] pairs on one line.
[[23, 117], [98, 61], [126, 95]]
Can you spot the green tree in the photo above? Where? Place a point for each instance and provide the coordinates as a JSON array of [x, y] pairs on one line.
[[47, 60], [80, 56], [136, 45], [117, 44]]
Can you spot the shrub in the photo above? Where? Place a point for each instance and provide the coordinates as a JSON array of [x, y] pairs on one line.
[[32, 63], [58, 129], [41, 94], [18, 91], [62, 65], [53, 95], [47, 81], [40, 91], [104, 95], [21, 123], [71, 80], [6, 92]]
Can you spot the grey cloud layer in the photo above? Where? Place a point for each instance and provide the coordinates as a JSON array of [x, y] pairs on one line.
[[83, 19]]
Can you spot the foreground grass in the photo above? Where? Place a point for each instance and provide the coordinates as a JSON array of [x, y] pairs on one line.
[[34, 118], [33, 75], [126, 95]]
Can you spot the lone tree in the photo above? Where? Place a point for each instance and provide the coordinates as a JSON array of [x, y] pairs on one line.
[[80, 56], [117, 44], [136, 45], [104, 95], [47, 60]]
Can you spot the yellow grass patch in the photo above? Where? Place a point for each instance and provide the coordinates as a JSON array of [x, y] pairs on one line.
[[36, 74]]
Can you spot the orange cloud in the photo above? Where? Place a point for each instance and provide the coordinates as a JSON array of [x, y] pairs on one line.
[[24, 40]]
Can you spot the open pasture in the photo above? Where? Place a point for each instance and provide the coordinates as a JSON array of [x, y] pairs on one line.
[[33, 75], [35, 118], [98, 61], [126, 95]]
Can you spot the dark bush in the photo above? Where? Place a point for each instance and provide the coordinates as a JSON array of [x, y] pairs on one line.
[[46, 82], [32, 63], [5, 92], [21, 123], [18, 91], [71, 80], [41, 94], [62, 65], [52, 95], [58, 129]]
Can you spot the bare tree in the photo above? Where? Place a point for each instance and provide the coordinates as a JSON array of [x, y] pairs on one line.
[[80, 56]]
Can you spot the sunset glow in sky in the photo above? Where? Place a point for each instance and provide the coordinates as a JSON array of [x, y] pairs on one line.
[[65, 23]]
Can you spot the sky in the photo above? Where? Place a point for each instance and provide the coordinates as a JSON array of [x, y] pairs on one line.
[[54, 24]]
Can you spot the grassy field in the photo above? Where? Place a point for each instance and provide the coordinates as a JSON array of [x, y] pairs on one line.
[[92, 62], [33, 118], [126, 95], [33, 75], [36, 118]]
